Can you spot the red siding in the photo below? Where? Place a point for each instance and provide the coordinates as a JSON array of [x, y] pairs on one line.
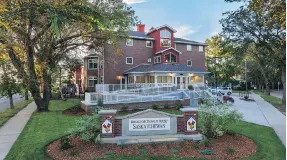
[[156, 36]]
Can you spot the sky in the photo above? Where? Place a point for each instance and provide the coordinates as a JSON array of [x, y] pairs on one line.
[[193, 19]]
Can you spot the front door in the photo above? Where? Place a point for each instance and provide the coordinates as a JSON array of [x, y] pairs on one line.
[[180, 82]]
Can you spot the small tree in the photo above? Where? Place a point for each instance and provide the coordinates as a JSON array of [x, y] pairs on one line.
[[213, 120], [8, 84]]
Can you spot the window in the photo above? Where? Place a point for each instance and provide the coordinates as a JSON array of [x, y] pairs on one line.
[[150, 79], [165, 34], [164, 79], [196, 79], [188, 47], [129, 42], [157, 59], [92, 63], [140, 79], [149, 60], [149, 44], [92, 81], [129, 60], [170, 58], [200, 49], [189, 63], [164, 42], [131, 79]]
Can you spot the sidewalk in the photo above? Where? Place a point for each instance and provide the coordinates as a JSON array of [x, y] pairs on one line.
[[274, 117], [13, 127]]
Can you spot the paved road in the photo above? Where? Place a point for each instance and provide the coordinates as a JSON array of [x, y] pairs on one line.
[[4, 101]]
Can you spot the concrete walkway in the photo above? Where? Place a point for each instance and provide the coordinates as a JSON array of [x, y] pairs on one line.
[[13, 127], [277, 94], [274, 117]]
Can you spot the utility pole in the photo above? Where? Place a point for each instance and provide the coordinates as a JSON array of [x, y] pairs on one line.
[[246, 76]]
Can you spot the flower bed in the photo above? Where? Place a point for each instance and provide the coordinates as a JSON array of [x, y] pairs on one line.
[[225, 147]]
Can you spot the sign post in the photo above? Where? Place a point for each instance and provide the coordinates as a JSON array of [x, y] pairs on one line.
[[278, 83]]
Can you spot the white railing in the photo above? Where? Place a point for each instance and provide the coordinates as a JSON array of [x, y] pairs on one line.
[[130, 87]]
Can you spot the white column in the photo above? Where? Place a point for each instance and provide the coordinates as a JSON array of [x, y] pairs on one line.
[[145, 79], [203, 80], [155, 79], [126, 82], [135, 78]]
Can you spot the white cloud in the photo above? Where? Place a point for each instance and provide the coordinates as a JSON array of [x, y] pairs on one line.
[[214, 33], [133, 1], [184, 31]]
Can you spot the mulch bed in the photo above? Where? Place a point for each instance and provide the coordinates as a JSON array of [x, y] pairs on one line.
[[249, 100], [76, 111], [243, 146]]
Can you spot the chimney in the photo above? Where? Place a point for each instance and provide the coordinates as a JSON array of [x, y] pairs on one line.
[[140, 27], [151, 29]]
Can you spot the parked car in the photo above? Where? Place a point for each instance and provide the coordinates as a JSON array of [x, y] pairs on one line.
[[224, 90]]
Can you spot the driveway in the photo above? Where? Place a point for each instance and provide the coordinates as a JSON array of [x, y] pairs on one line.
[[4, 101]]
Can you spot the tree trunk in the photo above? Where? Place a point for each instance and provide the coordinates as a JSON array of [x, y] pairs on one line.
[[46, 90], [10, 95], [26, 94], [283, 79]]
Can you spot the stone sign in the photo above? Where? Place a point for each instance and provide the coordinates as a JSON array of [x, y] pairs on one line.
[[149, 124]]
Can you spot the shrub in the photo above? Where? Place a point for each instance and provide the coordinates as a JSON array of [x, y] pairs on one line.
[[190, 87], [213, 120], [153, 145], [100, 103], [65, 143], [154, 106], [196, 145], [87, 128], [124, 108], [230, 132], [246, 97], [174, 151], [143, 151], [206, 142], [207, 152], [166, 106], [109, 153], [230, 150], [178, 106]]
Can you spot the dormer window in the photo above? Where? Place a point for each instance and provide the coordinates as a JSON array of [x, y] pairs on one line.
[[170, 58], [165, 34]]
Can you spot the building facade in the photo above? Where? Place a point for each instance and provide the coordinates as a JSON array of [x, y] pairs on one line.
[[155, 57]]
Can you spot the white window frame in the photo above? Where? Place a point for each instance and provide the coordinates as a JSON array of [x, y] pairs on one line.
[[189, 61], [188, 48], [92, 78], [165, 40], [165, 34], [169, 61], [155, 59], [149, 60], [200, 49], [131, 58], [132, 42], [101, 64], [97, 62], [146, 42]]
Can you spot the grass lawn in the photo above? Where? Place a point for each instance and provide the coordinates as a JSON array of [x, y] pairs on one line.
[[275, 101], [6, 114], [43, 128]]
